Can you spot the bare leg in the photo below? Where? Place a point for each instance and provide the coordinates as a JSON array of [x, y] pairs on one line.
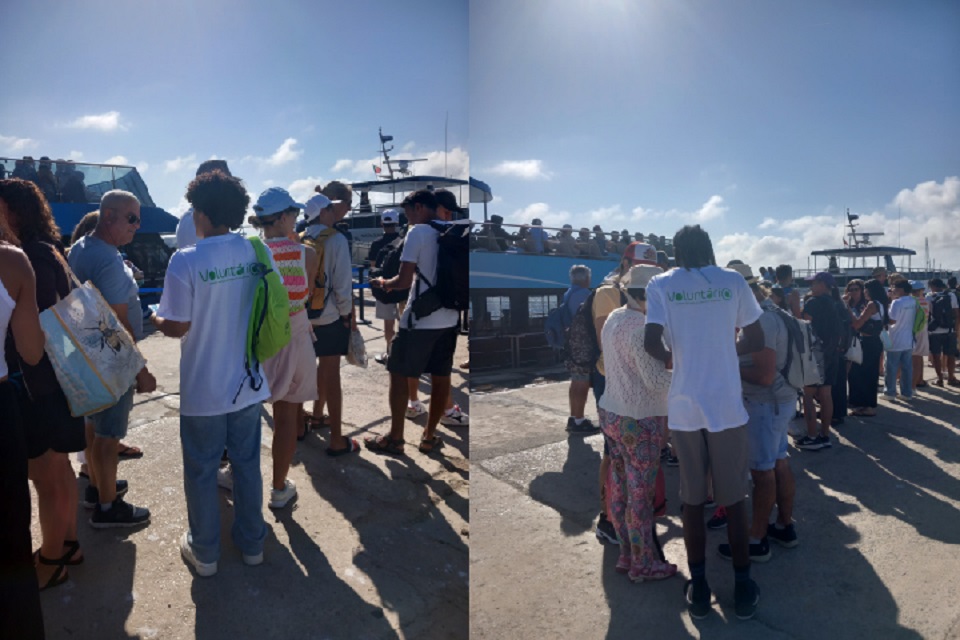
[[88, 452], [413, 389], [694, 533], [44, 473], [938, 365], [399, 392], [825, 396], [604, 471], [389, 331], [285, 415], [329, 372], [105, 462], [578, 397], [764, 495], [951, 368], [738, 534], [810, 411], [321, 400], [786, 488], [439, 393]]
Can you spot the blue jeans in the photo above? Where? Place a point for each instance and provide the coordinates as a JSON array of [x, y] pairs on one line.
[[203, 439], [767, 432], [902, 360]]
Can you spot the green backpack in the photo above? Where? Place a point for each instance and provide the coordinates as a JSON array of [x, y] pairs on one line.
[[919, 320], [268, 329]]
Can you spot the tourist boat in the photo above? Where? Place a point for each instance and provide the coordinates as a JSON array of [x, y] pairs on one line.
[[74, 189]]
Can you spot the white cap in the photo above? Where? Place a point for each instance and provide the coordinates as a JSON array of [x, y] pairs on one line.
[[316, 204], [390, 216]]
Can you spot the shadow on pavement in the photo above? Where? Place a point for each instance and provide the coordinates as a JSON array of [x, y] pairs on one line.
[[574, 492]]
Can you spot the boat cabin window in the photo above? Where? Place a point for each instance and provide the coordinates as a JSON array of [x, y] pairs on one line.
[[538, 307], [75, 182], [498, 312]]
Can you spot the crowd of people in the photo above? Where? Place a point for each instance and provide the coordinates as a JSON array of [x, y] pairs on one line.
[[206, 303], [691, 367], [59, 181]]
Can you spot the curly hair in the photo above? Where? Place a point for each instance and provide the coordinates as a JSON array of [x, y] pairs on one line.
[[692, 248], [87, 224], [28, 213], [336, 190], [220, 197], [6, 233]]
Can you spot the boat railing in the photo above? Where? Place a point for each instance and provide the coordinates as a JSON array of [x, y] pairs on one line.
[[75, 182], [496, 237]]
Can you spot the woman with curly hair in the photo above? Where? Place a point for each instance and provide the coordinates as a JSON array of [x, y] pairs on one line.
[[53, 432]]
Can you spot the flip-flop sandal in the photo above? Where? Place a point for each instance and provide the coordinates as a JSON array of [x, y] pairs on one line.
[[72, 549], [431, 445], [384, 445], [352, 447], [59, 576], [126, 452]]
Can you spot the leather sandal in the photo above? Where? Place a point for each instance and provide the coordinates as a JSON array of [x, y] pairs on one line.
[[431, 445], [384, 444], [59, 576]]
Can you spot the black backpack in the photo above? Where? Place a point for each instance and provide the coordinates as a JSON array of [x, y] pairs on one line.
[[388, 266], [941, 312], [452, 288], [583, 343], [846, 328]]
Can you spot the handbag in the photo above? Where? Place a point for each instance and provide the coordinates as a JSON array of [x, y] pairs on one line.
[[886, 340], [855, 352], [94, 357], [357, 350]]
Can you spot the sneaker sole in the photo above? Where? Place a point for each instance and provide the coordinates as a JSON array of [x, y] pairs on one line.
[[788, 544], [697, 610], [280, 505], [453, 423], [748, 616], [760, 559], [605, 539], [91, 505], [115, 525]]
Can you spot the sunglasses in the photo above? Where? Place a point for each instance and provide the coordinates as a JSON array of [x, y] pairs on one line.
[[133, 219]]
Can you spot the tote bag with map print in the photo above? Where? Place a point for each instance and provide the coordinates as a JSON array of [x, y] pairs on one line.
[[95, 358]]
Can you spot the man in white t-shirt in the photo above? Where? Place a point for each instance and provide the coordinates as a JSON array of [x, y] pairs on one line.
[[701, 305], [903, 311], [427, 337], [208, 298], [187, 228]]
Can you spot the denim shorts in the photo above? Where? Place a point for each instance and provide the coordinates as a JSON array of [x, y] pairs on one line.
[[767, 432], [112, 422]]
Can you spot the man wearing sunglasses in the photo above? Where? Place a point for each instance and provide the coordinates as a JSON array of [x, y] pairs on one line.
[[96, 257]]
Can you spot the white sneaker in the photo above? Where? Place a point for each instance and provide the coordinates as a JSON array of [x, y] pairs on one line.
[[415, 409], [203, 569], [252, 561], [225, 478], [279, 499], [455, 417]]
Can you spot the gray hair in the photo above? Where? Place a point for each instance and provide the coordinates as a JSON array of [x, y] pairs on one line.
[[580, 274], [114, 197]]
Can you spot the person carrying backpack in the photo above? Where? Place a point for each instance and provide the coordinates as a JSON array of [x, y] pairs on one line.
[[944, 316], [387, 246], [330, 306], [573, 299], [432, 269], [205, 286], [821, 311]]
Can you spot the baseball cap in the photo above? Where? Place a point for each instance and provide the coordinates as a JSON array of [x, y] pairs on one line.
[[641, 253], [390, 216], [917, 284], [744, 270], [640, 275], [316, 204], [446, 199], [274, 200], [825, 278]]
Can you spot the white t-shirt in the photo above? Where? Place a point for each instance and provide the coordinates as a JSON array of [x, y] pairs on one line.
[[420, 247], [702, 309], [953, 305], [903, 310], [186, 231], [211, 286]]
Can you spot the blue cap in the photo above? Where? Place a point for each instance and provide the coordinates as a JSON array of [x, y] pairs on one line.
[[274, 200]]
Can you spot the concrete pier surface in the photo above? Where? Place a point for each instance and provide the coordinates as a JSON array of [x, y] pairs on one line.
[[877, 519], [374, 546]]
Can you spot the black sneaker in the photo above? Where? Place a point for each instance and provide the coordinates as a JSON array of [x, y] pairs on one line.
[[698, 597], [606, 532], [746, 596], [91, 495], [121, 514], [667, 458], [786, 537], [824, 441], [809, 444], [759, 552], [585, 426]]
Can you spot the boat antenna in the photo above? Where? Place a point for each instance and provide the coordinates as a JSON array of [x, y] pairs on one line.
[[899, 244], [385, 151], [446, 122]]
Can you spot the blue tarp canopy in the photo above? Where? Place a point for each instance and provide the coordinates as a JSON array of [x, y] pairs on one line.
[[480, 192], [152, 219]]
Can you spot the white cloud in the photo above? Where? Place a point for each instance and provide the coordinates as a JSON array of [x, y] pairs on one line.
[[342, 165], [928, 212], [523, 169], [13, 144], [409, 146], [711, 209], [76, 156], [301, 190], [109, 121], [179, 163], [540, 210], [143, 167], [285, 153], [117, 160], [455, 164]]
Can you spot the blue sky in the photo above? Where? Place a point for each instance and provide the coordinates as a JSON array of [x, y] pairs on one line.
[[290, 93], [761, 120]]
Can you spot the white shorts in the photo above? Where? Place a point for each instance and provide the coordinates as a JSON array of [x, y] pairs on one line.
[[292, 373], [387, 311]]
